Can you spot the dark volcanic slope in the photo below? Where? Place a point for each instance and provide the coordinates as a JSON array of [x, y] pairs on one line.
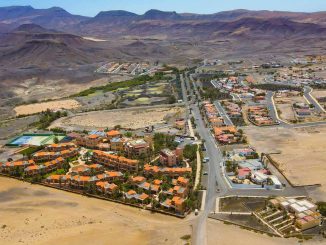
[[44, 53], [53, 18], [161, 35], [32, 45]]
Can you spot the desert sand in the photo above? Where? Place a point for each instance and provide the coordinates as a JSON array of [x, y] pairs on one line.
[[43, 106], [221, 234], [319, 93], [301, 152], [126, 118], [33, 214], [287, 113], [94, 39]]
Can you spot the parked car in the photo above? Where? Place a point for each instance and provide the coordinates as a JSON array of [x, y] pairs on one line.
[[206, 159]]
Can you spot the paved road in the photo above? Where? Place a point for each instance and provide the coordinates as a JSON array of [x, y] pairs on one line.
[[307, 94], [273, 113], [217, 185], [222, 112], [184, 95], [214, 178]]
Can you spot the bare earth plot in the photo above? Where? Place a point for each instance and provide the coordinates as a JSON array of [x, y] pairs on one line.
[[284, 105], [302, 153], [43, 106], [286, 110], [46, 216], [318, 93], [221, 234], [126, 118]]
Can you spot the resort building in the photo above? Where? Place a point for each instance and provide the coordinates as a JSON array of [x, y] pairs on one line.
[[47, 167], [60, 147], [173, 172], [118, 144], [89, 141], [114, 161], [137, 147], [168, 157], [19, 165], [113, 134], [47, 156], [106, 187]]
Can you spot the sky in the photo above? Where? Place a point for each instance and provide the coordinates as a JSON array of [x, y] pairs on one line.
[[92, 7]]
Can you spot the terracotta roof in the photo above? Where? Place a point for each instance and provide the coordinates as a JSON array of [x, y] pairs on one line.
[[157, 182], [113, 133], [138, 179], [143, 196], [131, 192], [101, 183], [178, 200], [93, 136]]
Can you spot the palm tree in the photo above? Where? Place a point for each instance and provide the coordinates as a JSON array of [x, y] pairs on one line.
[[87, 156]]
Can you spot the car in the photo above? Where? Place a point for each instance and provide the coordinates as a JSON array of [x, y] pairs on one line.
[[206, 159], [205, 173]]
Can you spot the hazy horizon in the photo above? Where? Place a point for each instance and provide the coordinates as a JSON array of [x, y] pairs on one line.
[[91, 8]]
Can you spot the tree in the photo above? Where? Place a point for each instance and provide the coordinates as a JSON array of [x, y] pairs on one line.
[[128, 134], [87, 156], [322, 208], [162, 141], [55, 140], [190, 152], [91, 188]]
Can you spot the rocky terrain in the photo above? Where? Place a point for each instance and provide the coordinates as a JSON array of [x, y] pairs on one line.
[[54, 46]]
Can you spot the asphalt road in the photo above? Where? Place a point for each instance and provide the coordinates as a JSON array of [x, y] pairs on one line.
[[214, 178], [222, 112], [217, 185], [274, 115], [184, 95], [307, 94]]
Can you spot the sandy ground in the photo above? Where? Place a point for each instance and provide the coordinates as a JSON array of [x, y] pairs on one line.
[[94, 39], [127, 118], [302, 153], [32, 214], [43, 106], [33, 89], [284, 104], [221, 234], [45, 216], [319, 93], [287, 112]]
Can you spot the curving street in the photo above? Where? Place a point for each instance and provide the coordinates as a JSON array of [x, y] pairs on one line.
[[217, 185]]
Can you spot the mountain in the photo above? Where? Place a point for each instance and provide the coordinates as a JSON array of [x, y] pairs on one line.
[[54, 36], [155, 14], [33, 45], [31, 28], [49, 18], [119, 23], [242, 28]]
